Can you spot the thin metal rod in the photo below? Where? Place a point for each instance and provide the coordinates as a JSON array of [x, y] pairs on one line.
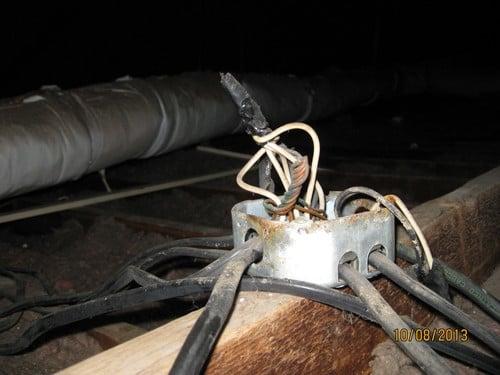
[[237, 155], [222, 152], [64, 206]]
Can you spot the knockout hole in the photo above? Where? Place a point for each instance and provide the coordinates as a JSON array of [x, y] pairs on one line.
[[378, 248], [350, 259], [251, 233]]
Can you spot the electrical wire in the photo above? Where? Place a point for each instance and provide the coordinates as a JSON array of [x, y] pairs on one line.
[[299, 173], [271, 149], [400, 204], [123, 278], [280, 170], [390, 322], [316, 150], [345, 195], [460, 352], [155, 289], [201, 339], [254, 189], [202, 284], [460, 282], [400, 278]]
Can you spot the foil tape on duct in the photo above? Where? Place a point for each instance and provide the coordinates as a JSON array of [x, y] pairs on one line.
[[53, 136]]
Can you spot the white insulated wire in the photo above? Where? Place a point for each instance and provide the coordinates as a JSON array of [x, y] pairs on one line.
[[284, 180], [418, 231], [251, 188], [315, 159], [271, 149]]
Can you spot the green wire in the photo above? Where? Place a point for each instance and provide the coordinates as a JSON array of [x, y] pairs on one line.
[[459, 281]]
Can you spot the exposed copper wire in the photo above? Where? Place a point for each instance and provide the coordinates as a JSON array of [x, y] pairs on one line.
[[299, 173]]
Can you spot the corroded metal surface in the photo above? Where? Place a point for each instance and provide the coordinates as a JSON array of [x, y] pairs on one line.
[[310, 250]]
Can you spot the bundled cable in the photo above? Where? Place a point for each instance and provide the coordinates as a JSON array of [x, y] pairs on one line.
[[419, 352], [205, 332], [146, 260], [399, 210], [155, 289], [460, 282], [398, 276]]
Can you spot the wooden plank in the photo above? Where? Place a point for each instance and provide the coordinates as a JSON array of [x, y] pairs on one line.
[[171, 228], [109, 197], [168, 227], [282, 334], [110, 335]]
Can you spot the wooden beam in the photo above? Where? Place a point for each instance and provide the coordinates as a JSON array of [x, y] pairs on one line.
[[271, 333], [110, 335], [109, 197], [149, 224]]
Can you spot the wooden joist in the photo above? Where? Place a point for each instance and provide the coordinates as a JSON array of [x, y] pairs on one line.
[[270, 333]]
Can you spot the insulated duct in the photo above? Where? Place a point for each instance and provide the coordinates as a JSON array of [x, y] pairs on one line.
[[51, 136]]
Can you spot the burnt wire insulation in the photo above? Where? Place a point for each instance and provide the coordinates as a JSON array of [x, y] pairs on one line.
[[252, 119], [390, 321], [294, 168]]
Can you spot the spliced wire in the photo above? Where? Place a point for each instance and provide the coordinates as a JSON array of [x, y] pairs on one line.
[[293, 171]]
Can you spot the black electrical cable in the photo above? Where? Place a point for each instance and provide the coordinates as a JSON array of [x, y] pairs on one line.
[[178, 251], [357, 190], [390, 321], [121, 278], [171, 289], [306, 291], [47, 287], [206, 242], [460, 352], [20, 286], [154, 260], [220, 242], [216, 267], [162, 290], [399, 277], [127, 275], [352, 304], [100, 306], [460, 282], [201, 339]]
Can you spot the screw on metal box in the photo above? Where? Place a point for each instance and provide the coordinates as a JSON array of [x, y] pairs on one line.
[[309, 250]]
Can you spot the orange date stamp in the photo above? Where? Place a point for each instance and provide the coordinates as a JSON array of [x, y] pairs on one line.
[[431, 334]]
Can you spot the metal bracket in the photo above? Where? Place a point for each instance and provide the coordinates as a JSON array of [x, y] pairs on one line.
[[311, 251]]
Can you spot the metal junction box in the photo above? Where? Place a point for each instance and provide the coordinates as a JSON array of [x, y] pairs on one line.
[[309, 250]]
